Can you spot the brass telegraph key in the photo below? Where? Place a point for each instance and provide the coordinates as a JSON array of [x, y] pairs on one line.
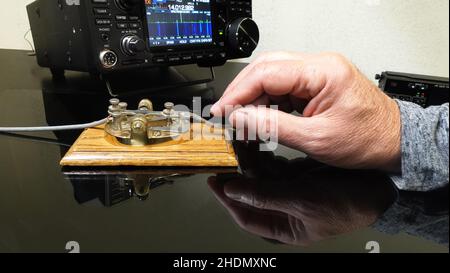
[[145, 126]]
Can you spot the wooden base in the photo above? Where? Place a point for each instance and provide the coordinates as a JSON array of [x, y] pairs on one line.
[[199, 148]]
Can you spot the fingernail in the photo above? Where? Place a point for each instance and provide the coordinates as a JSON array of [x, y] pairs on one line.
[[234, 196], [214, 109]]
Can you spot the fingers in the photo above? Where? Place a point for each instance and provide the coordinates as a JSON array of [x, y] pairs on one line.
[[267, 57], [259, 197], [269, 124], [252, 194], [277, 78], [265, 224]]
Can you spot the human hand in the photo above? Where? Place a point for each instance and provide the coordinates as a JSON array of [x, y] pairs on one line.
[[346, 120], [314, 206]]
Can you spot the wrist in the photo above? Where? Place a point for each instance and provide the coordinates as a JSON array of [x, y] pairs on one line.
[[392, 138]]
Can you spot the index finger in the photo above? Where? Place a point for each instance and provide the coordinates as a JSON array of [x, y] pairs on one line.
[[278, 78], [266, 57]]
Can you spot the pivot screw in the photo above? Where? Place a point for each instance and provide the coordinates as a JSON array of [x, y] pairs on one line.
[[169, 108], [137, 126]]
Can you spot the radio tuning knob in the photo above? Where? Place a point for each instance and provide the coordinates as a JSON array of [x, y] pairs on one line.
[[243, 35], [132, 44], [127, 4]]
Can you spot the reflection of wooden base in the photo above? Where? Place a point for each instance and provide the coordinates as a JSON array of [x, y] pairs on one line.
[[92, 148]]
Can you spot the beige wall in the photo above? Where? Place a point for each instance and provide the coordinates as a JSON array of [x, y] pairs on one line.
[[401, 35]]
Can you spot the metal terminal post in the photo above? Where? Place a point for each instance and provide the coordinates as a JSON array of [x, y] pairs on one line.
[[145, 126]]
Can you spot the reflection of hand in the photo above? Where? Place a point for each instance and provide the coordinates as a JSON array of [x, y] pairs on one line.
[[347, 121], [322, 204]]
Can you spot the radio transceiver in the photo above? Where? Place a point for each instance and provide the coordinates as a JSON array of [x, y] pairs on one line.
[[104, 36], [420, 89]]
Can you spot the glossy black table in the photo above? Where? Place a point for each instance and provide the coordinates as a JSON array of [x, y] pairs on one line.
[[308, 207]]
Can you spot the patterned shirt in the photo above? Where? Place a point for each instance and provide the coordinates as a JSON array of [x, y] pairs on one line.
[[425, 147]]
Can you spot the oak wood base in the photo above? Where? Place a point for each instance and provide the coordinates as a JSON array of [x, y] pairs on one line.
[[199, 148]]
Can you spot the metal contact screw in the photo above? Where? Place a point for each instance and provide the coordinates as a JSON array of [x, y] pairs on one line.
[[123, 105], [169, 106], [114, 102], [114, 109]]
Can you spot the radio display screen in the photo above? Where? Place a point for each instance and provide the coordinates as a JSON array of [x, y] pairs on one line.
[[179, 22]]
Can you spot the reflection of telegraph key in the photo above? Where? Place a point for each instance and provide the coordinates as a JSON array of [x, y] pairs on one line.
[[145, 137]]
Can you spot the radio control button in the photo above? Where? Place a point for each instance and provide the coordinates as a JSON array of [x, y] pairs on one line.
[[199, 56], [103, 21], [159, 59], [133, 18], [100, 1], [100, 11], [187, 57], [121, 17], [135, 25], [174, 58], [122, 25]]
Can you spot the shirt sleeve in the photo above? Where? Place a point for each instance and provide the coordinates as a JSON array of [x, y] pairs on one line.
[[425, 147], [413, 214]]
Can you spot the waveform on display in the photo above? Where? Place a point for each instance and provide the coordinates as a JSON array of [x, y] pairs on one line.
[[180, 29], [179, 22], [180, 25]]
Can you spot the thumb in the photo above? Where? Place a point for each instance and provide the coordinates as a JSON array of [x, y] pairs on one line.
[[270, 124]]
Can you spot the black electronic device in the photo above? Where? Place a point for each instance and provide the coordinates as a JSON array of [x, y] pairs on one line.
[[420, 89], [103, 36]]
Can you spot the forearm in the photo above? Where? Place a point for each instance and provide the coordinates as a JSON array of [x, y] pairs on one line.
[[425, 147]]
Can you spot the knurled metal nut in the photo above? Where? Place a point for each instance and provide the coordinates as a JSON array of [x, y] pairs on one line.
[[114, 102], [169, 105], [123, 105]]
